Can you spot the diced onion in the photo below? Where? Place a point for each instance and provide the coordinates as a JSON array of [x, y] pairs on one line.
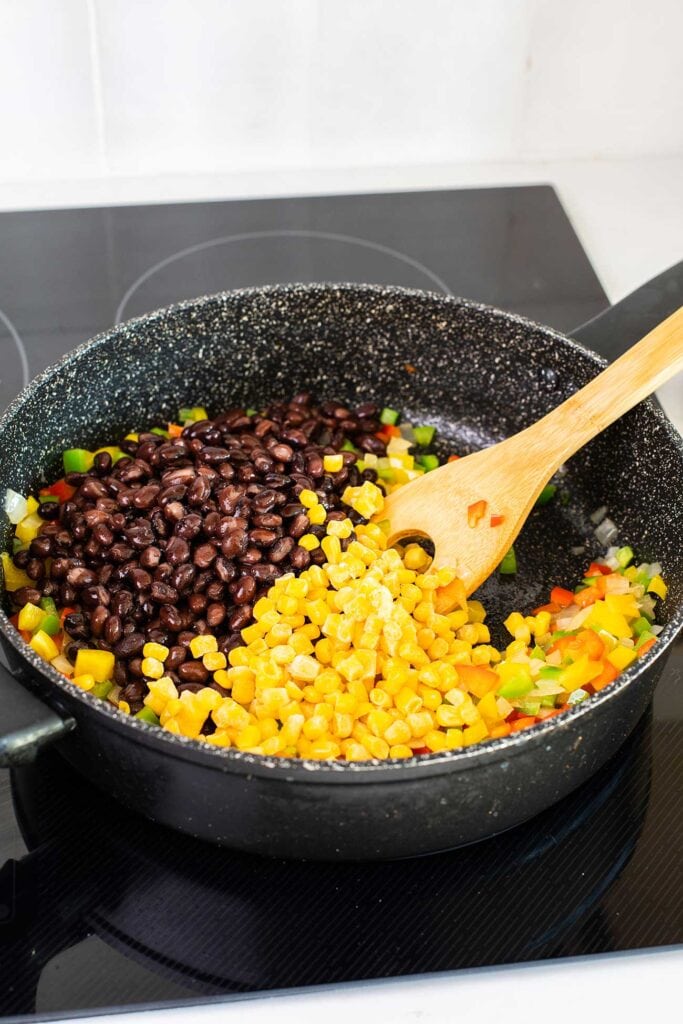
[[579, 550], [616, 584], [16, 506], [599, 514], [606, 531], [576, 619], [654, 569], [656, 629]]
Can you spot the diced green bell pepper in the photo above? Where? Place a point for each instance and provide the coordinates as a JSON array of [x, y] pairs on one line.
[[48, 605], [250, 411], [549, 700], [547, 494], [51, 624], [147, 715], [624, 557], [388, 417], [508, 567], [640, 626], [560, 633], [387, 474], [428, 462], [348, 447], [538, 653], [644, 637], [160, 431], [515, 688], [102, 689], [550, 672], [424, 435], [77, 460]]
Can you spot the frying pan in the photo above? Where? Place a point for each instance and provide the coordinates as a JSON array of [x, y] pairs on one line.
[[480, 375]]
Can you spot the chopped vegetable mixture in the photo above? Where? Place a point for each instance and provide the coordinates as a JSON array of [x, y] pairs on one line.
[[255, 603]]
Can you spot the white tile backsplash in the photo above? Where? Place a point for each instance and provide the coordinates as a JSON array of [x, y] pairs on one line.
[[48, 122], [130, 87]]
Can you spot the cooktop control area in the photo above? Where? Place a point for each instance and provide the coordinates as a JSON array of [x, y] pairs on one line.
[[100, 908]]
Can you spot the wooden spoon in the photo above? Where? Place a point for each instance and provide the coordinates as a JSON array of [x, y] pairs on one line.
[[455, 503]]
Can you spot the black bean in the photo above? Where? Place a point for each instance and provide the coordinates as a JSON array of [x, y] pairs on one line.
[[182, 577], [204, 555], [113, 629], [215, 614], [189, 526], [193, 672], [240, 618], [280, 549], [242, 590], [130, 645], [150, 557], [162, 593], [48, 510], [299, 525], [81, 577], [300, 559], [98, 617], [170, 618], [263, 538]]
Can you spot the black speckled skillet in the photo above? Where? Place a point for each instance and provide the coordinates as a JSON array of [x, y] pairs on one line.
[[480, 375]]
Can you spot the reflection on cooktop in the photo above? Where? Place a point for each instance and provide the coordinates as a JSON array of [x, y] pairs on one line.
[[212, 921]]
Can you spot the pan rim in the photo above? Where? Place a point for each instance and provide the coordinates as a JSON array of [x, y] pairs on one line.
[[302, 769]]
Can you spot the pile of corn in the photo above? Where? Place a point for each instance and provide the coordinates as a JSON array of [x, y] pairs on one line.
[[348, 660]]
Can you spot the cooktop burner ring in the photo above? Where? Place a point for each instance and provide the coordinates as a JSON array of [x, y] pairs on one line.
[[16, 338], [327, 236]]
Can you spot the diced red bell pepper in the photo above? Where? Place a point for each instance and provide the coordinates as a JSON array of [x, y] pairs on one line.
[[552, 608], [644, 648], [608, 675], [497, 520], [561, 597], [594, 569], [453, 458], [477, 679], [588, 596], [525, 722], [60, 489], [475, 512]]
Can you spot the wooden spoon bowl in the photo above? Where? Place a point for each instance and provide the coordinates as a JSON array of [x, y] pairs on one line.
[[473, 508]]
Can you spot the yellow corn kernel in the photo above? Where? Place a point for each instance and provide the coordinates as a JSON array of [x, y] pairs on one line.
[[98, 664], [468, 633], [152, 668], [282, 654], [317, 515], [407, 701], [263, 605], [438, 648], [345, 704], [315, 727], [124, 706], [332, 547], [301, 644], [214, 661], [85, 682], [431, 698], [272, 745], [203, 644], [158, 651], [449, 716], [304, 667], [483, 635], [324, 651], [397, 732], [219, 738], [436, 740], [356, 752], [308, 498], [415, 557], [425, 637], [456, 619], [378, 721], [340, 528], [376, 746], [309, 542], [400, 750], [380, 698], [342, 725], [248, 737], [30, 617], [230, 715], [244, 687], [420, 723], [328, 681], [291, 729], [238, 656]]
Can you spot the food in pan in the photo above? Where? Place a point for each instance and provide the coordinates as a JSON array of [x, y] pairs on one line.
[[228, 579]]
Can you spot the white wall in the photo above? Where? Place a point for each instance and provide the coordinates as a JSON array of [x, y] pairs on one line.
[[94, 88]]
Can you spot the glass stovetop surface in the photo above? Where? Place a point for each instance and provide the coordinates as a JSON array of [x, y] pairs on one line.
[[99, 908]]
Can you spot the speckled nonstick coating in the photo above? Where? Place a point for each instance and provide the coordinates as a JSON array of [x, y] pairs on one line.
[[480, 375]]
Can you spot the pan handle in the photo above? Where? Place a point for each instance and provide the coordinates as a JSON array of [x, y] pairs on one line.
[[613, 331], [26, 723]]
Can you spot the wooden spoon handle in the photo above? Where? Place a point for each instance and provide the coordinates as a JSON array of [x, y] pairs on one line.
[[627, 381]]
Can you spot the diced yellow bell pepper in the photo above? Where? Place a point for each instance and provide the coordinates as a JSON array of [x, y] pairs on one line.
[[611, 619], [31, 505], [14, 578], [45, 646], [488, 709], [658, 586], [621, 657], [30, 617], [98, 664], [579, 673], [27, 529], [624, 603]]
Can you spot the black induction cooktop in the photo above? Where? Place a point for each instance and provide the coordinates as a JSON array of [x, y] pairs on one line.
[[101, 909]]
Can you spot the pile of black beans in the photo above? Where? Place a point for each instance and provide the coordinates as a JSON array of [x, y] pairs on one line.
[[182, 535]]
